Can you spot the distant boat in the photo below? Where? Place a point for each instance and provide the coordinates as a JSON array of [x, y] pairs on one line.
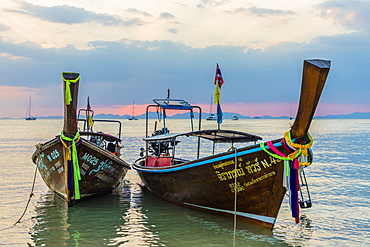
[[235, 118], [256, 117], [133, 112], [211, 116], [28, 113]]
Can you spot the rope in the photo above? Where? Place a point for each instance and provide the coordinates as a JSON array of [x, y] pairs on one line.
[[235, 195], [72, 155], [29, 199]]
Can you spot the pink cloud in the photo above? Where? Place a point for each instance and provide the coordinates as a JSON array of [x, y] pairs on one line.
[[49, 101], [14, 101]]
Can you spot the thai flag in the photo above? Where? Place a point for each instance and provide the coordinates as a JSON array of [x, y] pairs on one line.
[[218, 78], [89, 117], [219, 81]]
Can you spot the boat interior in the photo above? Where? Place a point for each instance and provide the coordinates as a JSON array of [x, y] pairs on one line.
[[161, 145], [107, 141]]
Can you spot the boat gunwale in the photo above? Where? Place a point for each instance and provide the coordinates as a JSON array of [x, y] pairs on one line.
[[202, 161], [242, 136], [43, 146]]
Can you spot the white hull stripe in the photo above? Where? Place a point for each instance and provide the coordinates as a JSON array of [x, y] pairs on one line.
[[267, 219]]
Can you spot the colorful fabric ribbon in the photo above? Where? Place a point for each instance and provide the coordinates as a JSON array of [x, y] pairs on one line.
[[72, 158], [292, 162], [68, 96], [298, 148]]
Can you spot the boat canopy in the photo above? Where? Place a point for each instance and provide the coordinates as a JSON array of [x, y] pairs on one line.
[[175, 104], [107, 137], [217, 136]]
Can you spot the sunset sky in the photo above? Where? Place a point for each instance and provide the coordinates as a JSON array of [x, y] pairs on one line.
[[134, 50]]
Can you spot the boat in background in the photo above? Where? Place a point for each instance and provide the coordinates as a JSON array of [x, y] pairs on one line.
[[235, 118], [28, 112], [133, 112], [78, 164], [211, 116], [247, 183]]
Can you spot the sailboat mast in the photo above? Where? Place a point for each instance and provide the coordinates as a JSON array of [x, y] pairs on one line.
[[28, 112], [29, 108]]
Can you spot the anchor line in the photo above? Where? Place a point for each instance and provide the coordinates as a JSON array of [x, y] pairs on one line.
[[235, 195], [29, 199]]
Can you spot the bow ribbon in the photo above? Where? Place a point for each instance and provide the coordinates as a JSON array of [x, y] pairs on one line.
[[72, 155], [68, 96]]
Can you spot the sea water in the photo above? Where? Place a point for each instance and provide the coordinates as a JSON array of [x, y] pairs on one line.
[[338, 181]]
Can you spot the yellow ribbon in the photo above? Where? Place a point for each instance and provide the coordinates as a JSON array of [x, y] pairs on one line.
[[300, 149], [68, 96]]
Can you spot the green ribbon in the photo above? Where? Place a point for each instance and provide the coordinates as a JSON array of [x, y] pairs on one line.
[[262, 146], [76, 167], [286, 159], [68, 95]]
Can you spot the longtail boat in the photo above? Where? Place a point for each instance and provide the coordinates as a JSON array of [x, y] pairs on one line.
[[247, 183], [80, 163]]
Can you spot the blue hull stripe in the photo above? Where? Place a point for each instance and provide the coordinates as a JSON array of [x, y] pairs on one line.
[[266, 219], [214, 160]]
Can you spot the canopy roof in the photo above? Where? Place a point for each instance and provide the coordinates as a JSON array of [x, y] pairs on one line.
[[176, 104], [107, 137], [217, 136]]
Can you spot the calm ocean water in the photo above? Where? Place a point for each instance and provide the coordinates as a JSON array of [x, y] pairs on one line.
[[339, 182]]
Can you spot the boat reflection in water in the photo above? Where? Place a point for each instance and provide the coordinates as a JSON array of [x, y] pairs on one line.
[[103, 220], [130, 216]]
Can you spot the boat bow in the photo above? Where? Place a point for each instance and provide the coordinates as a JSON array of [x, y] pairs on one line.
[[314, 76]]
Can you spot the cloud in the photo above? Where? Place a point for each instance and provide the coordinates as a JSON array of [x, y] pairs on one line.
[[14, 101], [214, 3], [269, 12], [138, 12], [239, 10], [72, 15], [352, 14], [173, 30], [263, 12], [4, 27], [166, 16], [116, 72]]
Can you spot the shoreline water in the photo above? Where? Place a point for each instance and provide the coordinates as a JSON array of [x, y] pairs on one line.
[[338, 180]]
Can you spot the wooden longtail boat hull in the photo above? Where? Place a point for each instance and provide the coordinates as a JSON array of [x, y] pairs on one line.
[[208, 184], [101, 171], [247, 182], [77, 168]]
